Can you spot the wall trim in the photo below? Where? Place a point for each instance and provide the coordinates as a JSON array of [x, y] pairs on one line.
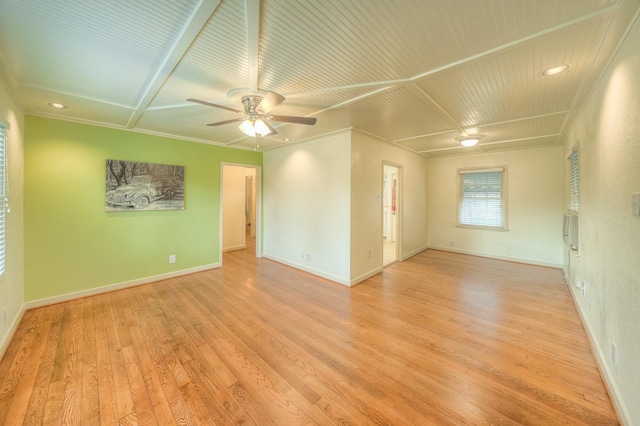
[[414, 252], [601, 359], [491, 256], [4, 344], [366, 276], [306, 268], [240, 247], [113, 287]]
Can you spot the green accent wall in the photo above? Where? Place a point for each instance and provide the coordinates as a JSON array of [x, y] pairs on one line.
[[72, 244]]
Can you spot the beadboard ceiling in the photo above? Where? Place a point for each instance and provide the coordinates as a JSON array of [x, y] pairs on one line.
[[415, 73]]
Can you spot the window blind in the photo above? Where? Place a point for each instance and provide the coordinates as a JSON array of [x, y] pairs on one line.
[[481, 198], [574, 181]]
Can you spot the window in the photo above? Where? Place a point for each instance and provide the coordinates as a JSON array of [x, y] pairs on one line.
[[482, 198], [574, 181], [3, 193]]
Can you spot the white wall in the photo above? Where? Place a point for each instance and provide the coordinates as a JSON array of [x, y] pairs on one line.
[[12, 283], [307, 196], [250, 196], [368, 155], [608, 133], [534, 206], [233, 208]]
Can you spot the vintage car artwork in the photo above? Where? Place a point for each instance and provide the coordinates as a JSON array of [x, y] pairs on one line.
[[143, 186], [142, 191]]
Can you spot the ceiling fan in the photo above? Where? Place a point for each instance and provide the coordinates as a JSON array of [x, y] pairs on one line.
[[255, 117]]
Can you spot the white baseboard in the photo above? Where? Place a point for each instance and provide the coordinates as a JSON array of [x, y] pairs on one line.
[[601, 359], [112, 287], [365, 277], [409, 255], [307, 268], [4, 344], [491, 256]]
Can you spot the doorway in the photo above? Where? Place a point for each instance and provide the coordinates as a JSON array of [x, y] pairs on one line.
[[390, 213], [240, 208]]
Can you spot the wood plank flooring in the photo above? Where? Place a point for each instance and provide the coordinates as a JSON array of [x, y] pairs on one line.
[[442, 338]]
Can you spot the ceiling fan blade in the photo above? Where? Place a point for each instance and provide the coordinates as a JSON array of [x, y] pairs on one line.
[[269, 101], [220, 123], [198, 101], [272, 131], [298, 120]]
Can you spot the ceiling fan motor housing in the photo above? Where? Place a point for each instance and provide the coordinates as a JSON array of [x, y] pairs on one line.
[[250, 103]]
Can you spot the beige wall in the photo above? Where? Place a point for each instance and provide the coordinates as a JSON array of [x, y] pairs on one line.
[[12, 283], [322, 198], [608, 135], [367, 158], [534, 206], [307, 196]]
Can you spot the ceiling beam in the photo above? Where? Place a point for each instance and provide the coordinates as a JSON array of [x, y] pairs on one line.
[[194, 25], [253, 42]]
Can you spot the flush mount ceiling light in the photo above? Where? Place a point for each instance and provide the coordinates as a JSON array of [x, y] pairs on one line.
[[469, 140], [555, 70], [56, 105]]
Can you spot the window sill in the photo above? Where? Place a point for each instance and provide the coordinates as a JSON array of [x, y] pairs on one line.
[[484, 228]]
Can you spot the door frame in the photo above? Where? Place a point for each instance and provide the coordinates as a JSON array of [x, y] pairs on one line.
[[399, 210], [258, 201]]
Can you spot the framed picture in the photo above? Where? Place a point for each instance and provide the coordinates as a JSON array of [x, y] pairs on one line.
[[143, 186]]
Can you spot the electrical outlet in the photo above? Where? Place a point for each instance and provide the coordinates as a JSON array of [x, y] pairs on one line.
[[614, 354], [369, 253], [172, 258], [580, 285], [307, 257], [452, 243]]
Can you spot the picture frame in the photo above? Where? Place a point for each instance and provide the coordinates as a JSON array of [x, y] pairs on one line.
[[135, 186]]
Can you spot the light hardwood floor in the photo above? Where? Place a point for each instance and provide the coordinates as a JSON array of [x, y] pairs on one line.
[[439, 339]]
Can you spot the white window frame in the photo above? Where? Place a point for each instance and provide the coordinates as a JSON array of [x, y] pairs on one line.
[[574, 180], [481, 223], [4, 195]]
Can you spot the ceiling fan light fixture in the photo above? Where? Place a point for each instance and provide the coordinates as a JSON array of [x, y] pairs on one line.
[[254, 119], [555, 70], [255, 126], [247, 128], [260, 127]]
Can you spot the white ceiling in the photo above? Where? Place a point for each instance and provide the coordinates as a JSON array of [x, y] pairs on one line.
[[416, 73]]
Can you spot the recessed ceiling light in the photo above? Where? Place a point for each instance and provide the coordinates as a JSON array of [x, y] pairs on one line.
[[469, 140], [56, 105], [555, 70], [286, 140]]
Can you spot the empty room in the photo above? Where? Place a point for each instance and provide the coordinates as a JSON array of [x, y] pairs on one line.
[[275, 212]]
